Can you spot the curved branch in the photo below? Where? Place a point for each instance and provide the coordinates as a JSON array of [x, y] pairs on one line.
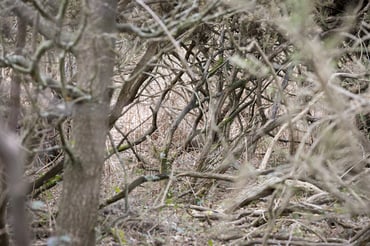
[[140, 180], [130, 88], [45, 27]]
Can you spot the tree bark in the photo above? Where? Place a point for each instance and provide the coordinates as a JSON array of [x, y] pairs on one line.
[[83, 169], [11, 165]]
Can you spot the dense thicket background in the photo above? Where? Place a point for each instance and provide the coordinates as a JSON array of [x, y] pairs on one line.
[[184, 122]]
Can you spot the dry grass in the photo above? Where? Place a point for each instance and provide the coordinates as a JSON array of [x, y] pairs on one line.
[[320, 177], [283, 109]]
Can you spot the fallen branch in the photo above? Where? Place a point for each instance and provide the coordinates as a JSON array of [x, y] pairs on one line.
[[254, 193], [140, 180], [154, 178], [50, 174], [208, 176]]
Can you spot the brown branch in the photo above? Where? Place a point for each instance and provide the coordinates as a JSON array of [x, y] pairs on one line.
[[130, 88], [216, 176], [362, 236], [50, 184], [154, 178], [43, 12], [293, 242], [140, 180], [150, 131], [256, 192], [170, 134], [51, 173]]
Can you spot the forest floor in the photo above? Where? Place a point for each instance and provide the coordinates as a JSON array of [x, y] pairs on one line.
[[180, 221], [252, 209]]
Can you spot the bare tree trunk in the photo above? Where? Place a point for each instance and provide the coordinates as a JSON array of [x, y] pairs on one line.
[[11, 165], [4, 237], [83, 169]]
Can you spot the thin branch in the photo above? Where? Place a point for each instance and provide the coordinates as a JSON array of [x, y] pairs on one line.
[[41, 10]]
